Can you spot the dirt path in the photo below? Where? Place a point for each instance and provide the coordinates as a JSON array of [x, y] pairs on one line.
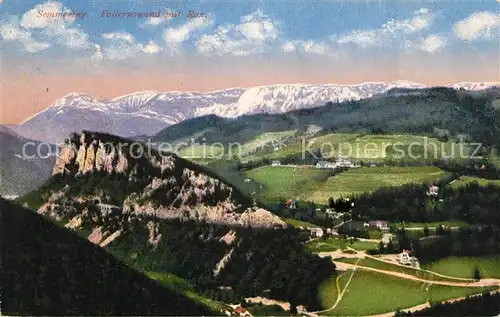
[[340, 293], [481, 283], [420, 270], [363, 254]]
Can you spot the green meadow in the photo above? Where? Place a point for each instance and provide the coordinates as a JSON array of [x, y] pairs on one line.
[[317, 185]]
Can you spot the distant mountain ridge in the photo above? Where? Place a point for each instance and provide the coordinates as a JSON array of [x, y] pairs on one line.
[[148, 112], [438, 112], [22, 172]]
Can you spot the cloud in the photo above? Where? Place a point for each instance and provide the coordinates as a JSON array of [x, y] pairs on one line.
[[31, 18], [392, 30], [289, 46], [57, 27], [433, 43], [119, 36], [253, 35], [183, 32], [479, 25], [257, 27], [11, 31], [362, 38], [123, 45], [309, 47], [151, 48], [98, 53]]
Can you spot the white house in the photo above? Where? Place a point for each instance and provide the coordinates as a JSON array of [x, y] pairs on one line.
[[405, 258], [317, 232], [433, 191], [325, 164], [380, 224], [331, 231], [344, 163], [275, 163], [338, 164]]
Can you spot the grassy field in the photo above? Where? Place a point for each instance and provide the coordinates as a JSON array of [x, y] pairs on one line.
[[464, 180], [317, 185], [372, 147], [201, 151], [329, 291], [183, 286], [333, 244], [368, 179], [227, 169], [372, 293], [376, 264], [489, 266], [288, 182]]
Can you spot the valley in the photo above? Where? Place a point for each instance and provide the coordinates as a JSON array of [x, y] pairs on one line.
[[312, 215]]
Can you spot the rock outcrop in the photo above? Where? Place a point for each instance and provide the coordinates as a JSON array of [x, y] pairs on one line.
[[154, 185]]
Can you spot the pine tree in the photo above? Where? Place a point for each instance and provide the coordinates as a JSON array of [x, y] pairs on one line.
[[476, 274]]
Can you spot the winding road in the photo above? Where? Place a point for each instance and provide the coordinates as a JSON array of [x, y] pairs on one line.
[[489, 282]]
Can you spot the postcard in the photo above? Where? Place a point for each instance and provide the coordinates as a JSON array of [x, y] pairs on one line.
[[250, 158]]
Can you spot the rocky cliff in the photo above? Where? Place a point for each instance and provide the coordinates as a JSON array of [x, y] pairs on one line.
[[96, 171]]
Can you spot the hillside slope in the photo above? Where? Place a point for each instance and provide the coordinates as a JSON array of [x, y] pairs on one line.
[[20, 173], [161, 214], [48, 270]]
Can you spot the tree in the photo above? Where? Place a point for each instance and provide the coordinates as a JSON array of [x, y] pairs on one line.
[[440, 230], [331, 203], [476, 274], [426, 231], [381, 247], [390, 247]]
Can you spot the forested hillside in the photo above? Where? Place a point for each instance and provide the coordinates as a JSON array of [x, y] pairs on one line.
[[48, 270]]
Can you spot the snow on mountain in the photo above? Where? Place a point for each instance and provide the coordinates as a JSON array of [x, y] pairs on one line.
[[147, 112], [474, 86]]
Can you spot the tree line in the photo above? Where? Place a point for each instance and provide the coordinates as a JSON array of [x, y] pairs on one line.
[[487, 304]]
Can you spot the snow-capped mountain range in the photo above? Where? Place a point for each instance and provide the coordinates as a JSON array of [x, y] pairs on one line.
[[147, 112]]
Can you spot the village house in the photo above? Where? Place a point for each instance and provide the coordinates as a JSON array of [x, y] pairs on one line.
[[380, 224], [332, 232], [433, 190], [275, 163], [345, 163], [338, 164], [317, 232], [241, 311], [325, 164], [291, 204], [406, 258]]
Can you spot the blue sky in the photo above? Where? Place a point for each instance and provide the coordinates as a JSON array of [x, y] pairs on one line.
[[239, 44], [327, 23]]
